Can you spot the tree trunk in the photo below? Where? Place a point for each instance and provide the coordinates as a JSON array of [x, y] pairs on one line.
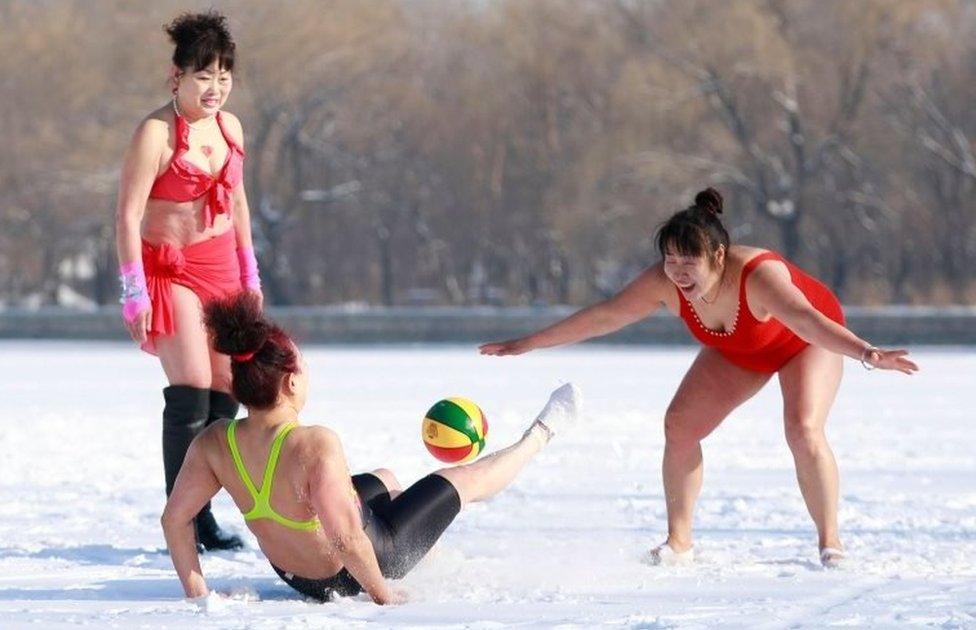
[[790, 233], [384, 242]]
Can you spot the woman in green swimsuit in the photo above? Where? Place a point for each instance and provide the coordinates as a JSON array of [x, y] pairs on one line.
[[323, 531]]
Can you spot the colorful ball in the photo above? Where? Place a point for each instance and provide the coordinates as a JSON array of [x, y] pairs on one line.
[[454, 430]]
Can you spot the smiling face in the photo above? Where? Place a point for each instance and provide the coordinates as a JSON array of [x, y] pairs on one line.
[[694, 275], [201, 93], [693, 244]]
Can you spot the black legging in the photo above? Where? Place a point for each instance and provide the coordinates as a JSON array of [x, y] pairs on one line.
[[402, 530]]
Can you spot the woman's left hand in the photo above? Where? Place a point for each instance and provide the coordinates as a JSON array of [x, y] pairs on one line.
[[891, 360], [504, 348]]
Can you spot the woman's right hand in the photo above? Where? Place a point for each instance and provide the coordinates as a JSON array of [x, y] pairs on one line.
[[138, 326], [212, 602], [395, 597], [505, 348]]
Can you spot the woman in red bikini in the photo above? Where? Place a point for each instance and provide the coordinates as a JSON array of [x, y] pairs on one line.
[[184, 238], [756, 315]]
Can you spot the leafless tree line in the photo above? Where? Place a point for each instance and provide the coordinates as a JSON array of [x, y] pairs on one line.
[[510, 152]]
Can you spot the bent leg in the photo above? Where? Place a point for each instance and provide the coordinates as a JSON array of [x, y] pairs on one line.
[[377, 488], [490, 475], [412, 523], [711, 389], [421, 513], [390, 481], [809, 383]]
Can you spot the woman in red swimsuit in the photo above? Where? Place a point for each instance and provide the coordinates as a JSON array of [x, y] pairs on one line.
[[756, 315], [184, 238]]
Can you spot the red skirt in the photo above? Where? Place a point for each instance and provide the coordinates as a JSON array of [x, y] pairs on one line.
[[208, 268]]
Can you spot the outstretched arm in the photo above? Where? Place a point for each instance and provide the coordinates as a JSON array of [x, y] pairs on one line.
[[195, 485], [773, 290], [634, 302], [337, 506]]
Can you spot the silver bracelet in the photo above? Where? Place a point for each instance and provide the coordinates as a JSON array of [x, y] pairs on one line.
[[864, 356], [133, 287]]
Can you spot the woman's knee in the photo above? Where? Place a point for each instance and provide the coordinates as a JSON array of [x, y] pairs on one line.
[[193, 376], [805, 435], [186, 362], [680, 429], [388, 478]]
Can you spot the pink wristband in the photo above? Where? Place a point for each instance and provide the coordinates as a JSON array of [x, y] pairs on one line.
[[135, 295], [249, 269]]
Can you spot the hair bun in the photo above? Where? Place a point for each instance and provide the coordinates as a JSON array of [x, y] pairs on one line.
[[236, 324], [709, 200], [190, 27]]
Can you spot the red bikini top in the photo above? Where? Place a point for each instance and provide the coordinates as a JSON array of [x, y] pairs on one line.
[[184, 181]]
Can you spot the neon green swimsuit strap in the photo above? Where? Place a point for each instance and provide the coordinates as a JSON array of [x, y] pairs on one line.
[[265, 495], [269, 469], [239, 463], [262, 498]]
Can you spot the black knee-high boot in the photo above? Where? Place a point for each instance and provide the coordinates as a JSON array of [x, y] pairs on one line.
[[184, 416]]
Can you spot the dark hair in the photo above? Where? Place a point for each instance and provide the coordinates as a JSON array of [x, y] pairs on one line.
[[696, 230], [200, 39], [262, 353]]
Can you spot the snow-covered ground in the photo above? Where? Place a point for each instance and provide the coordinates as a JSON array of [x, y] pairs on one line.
[[81, 493]]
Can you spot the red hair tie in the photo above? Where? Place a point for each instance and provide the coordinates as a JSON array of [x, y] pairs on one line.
[[242, 358]]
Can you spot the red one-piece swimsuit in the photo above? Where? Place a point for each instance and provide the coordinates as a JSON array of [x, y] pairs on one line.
[[762, 346]]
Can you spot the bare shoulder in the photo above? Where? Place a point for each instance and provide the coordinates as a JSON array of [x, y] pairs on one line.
[[159, 121], [771, 269], [320, 453], [213, 435], [744, 253], [152, 133], [233, 126], [741, 255], [318, 440], [769, 279], [231, 119], [768, 286], [209, 443]]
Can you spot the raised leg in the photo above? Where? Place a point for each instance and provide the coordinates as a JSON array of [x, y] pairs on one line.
[[489, 475], [419, 515]]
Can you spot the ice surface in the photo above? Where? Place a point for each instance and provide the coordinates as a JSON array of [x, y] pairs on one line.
[[81, 493]]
